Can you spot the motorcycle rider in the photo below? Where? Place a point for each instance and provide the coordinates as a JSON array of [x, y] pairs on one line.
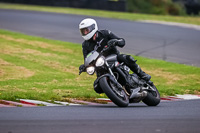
[[95, 38]]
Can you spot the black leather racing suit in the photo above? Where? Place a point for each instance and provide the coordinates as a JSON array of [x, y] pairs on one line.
[[103, 36]]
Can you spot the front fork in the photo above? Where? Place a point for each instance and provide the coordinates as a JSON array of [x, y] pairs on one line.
[[114, 80], [109, 75], [112, 74]]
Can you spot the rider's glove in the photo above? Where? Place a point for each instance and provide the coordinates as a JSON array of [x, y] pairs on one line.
[[112, 42], [81, 68]]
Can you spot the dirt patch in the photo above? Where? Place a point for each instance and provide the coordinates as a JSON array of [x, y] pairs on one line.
[[72, 69], [197, 92], [1, 72], [38, 90], [38, 44], [170, 77], [16, 50], [11, 71], [58, 66], [59, 91], [9, 88]]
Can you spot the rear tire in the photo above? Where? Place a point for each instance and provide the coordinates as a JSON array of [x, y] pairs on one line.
[[152, 98], [112, 95]]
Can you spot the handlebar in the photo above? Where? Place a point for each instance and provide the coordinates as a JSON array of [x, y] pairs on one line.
[[105, 49]]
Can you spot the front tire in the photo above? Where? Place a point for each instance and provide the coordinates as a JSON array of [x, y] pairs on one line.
[[119, 101]]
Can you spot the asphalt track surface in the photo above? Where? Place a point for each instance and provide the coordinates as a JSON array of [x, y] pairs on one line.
[[167, 117], [170, 43], [152, 40]]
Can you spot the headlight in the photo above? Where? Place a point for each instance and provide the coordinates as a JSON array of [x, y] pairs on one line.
[[100, 62], [90, 70]]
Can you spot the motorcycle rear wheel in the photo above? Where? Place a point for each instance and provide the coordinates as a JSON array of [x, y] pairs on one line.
[[152, 98], [119, 101]]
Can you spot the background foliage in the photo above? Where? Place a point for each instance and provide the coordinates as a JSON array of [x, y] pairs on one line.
[[161, 7]]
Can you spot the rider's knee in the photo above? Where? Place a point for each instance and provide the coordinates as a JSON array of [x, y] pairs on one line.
[[121, 58], [130, 58], [126, 58]]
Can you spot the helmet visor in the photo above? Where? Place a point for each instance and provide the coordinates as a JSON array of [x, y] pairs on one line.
[[87, 30]]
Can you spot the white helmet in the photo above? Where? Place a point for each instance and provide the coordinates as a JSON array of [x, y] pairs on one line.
[[88, 27]]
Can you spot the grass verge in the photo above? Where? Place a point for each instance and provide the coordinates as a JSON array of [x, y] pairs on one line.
[[106, 14], [43, 69]]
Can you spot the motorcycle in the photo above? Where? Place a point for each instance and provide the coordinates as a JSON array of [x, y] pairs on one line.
[[114, 79]]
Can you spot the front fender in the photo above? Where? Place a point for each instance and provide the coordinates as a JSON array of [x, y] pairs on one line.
[[97, 87], [105, 75]]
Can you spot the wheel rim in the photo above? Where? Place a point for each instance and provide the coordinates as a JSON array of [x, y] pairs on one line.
[[118, 92]]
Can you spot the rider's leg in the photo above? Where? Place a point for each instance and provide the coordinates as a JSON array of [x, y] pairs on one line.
[[131, 63]]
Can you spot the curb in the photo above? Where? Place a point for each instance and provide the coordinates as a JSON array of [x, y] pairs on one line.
[[15, 104], [35, 103], [180, 97], [26, 102], [188, 96], [169, 98], [104, 100], [2, 105], [84, 102], [65, 103]]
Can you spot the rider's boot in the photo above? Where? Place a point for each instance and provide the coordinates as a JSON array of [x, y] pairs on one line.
[[143, 75], [136, 69], [131, 63]]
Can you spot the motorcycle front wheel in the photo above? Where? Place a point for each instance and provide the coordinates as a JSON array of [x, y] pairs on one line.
[[119, 98]]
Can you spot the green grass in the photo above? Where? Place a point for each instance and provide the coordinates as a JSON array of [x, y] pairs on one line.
[[42, 69], [106, 14]]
